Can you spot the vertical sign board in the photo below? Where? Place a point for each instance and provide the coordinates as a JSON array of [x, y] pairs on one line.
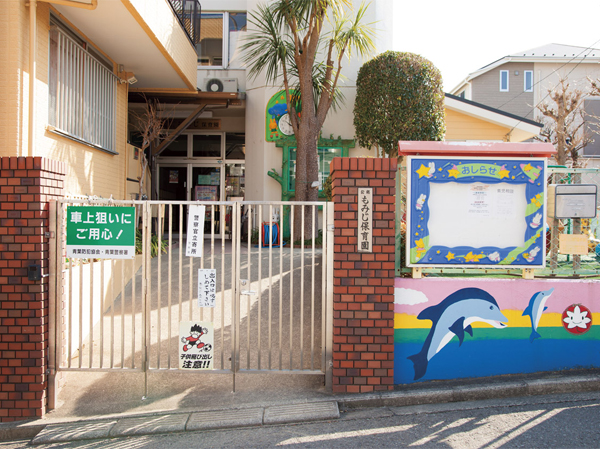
[[207, 287], [196, 347], [195, 231], [100, 232], [365, 220]]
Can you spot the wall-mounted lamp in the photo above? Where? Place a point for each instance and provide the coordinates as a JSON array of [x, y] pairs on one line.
[[127, 77]]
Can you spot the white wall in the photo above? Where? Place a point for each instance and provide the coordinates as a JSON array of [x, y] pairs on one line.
[[262, 156]]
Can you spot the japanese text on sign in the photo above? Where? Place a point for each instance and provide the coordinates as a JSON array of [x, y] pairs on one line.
[[196, 347], [100, 232], [365, 220], [195, 231], [207, 287]]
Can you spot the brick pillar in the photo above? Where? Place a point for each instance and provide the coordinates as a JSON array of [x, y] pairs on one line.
[[363, 291], [26, 186]]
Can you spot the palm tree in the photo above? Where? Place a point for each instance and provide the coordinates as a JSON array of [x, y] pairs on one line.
[[290, 45]]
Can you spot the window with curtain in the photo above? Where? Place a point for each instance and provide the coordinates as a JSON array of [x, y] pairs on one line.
[[82, 90]]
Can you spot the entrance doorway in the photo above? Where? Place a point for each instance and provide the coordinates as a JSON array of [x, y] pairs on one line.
[[173, 186], [205, 167]]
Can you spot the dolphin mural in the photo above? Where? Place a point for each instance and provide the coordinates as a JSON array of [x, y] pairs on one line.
[[453, 316], [535, 309]]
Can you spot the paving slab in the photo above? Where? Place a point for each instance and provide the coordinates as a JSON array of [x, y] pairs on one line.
[[222, 419], [281, 414], [146, 425], [57, 433]]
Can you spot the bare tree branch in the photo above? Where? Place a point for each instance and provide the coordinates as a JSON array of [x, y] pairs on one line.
[[565, 123]]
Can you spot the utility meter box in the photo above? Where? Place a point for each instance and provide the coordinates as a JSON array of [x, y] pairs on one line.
[[572, 200]]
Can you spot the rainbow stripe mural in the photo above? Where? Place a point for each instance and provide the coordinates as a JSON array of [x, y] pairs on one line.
[[459, 328]]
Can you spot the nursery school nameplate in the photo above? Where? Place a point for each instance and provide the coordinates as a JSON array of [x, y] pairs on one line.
[[476, 212], [100, 232], [365, 220]]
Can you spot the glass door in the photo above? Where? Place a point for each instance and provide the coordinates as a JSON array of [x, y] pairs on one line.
[[172, 186], [206, 186], [235, 182]]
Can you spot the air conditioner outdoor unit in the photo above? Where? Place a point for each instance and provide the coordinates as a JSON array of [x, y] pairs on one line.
[[221, 85]]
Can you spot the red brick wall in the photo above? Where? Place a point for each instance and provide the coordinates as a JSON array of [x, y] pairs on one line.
[[26, 186], [363, 291]]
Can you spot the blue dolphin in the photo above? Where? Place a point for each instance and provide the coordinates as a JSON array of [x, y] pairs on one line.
[[453, 316], [535, 309]]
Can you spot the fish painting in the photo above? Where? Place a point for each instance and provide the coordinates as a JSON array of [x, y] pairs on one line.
[[535, 309], [453, 316]]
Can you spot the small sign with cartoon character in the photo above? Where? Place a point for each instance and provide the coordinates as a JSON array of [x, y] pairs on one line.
[[196, 349]]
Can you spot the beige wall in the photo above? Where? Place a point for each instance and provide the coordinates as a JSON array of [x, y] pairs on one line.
[[550, 74], [162, 25], [90, 171], [464, 127]]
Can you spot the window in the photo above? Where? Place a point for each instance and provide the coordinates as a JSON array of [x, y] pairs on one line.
[[82, 90], [326, 155], [528, 87], [503, 80], [219, 43]]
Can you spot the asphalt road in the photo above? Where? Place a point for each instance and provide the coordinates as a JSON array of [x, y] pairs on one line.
[[556, 421]]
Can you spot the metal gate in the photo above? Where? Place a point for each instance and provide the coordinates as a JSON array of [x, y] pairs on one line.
[[273, 309]]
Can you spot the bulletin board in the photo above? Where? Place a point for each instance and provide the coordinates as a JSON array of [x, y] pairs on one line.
[[476, 212]]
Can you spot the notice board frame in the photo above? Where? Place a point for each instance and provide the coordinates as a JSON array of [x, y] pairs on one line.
[[469, 170]]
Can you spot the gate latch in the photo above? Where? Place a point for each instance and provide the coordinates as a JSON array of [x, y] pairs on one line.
[[246, 283]]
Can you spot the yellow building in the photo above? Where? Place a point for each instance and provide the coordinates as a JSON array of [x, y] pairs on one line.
[[470, 121], [66, 97]]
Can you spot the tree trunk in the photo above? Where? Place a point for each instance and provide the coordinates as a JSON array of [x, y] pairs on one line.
[[307, 172]]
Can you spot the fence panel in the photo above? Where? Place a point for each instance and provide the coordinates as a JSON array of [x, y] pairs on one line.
[[557, 264]]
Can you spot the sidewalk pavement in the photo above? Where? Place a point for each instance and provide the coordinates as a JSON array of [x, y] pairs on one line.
[[272, 400]]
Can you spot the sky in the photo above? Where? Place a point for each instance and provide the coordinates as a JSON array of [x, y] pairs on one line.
[[461, 36]]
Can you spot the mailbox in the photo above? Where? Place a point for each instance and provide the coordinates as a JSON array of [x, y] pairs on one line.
[[572, 200]]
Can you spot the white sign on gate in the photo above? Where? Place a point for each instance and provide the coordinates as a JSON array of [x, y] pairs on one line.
[[207, 287], [195, 231], [365, 220], [196, 347]]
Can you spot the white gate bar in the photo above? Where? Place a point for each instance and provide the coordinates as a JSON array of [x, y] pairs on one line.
[[169, 275], [80, 321], [133, 273], [91, 345], [158, 288], [270, 316], [328, 298], [180, 271], [312, 294], [280, 288], [291, 281], [302, 236]]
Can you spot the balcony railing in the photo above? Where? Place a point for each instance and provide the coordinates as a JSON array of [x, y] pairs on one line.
[[188, 13]]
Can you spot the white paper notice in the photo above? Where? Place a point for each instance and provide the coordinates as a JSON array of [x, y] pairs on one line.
[[505, 202], [479, 200], [195, 231], [207, 287]]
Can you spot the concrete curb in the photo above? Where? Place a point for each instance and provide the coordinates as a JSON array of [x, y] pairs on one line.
[[326, 409], [492, 389]]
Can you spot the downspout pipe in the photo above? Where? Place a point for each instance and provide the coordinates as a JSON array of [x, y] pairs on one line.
[[33, 60], [32, 75]]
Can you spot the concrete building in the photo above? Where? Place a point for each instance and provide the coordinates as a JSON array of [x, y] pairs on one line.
[[242, 151]]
